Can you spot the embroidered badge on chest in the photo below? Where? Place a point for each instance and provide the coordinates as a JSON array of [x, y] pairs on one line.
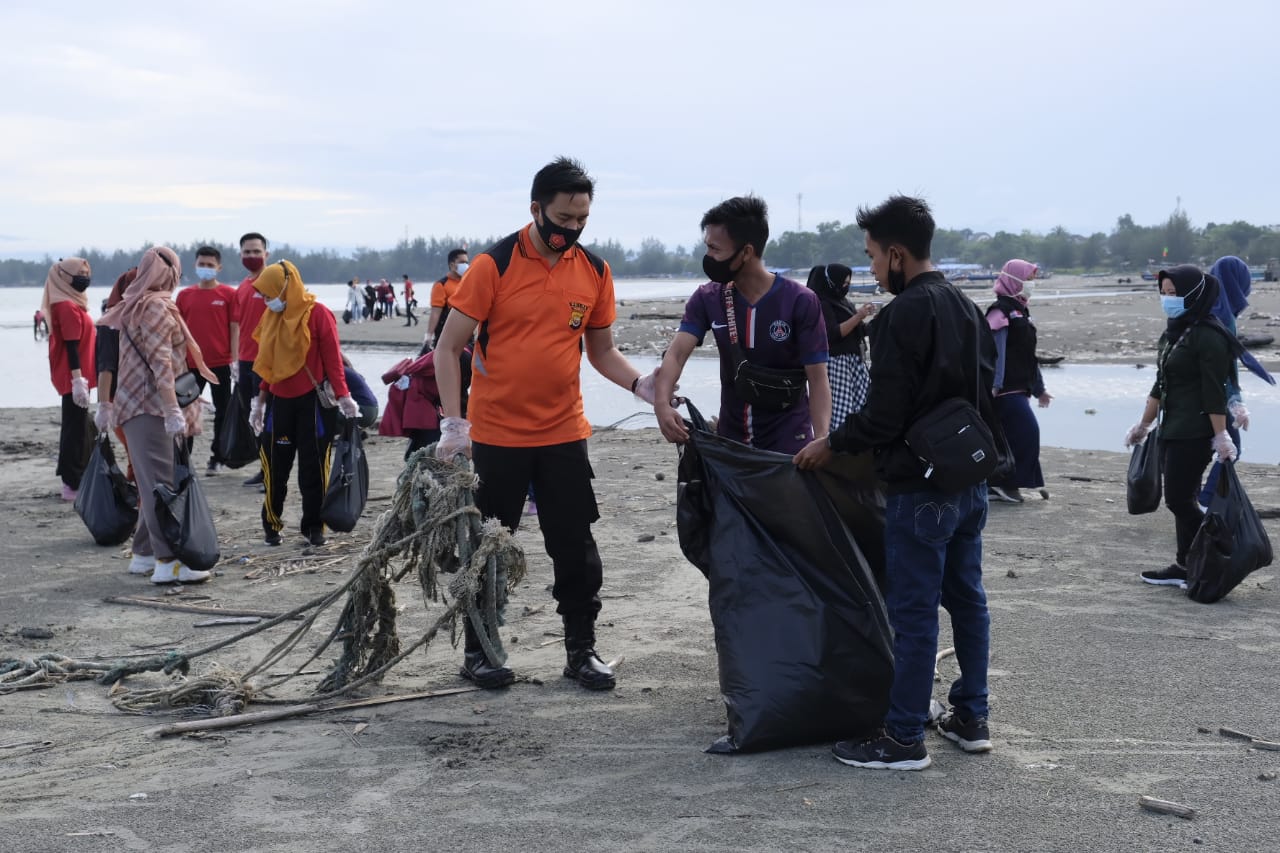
[[779, 330], [577, 311]]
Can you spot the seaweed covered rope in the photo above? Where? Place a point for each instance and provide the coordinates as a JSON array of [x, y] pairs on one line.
[[432, 527]]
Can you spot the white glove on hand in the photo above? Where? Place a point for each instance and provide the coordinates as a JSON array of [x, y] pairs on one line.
[[1224, 447], [645, 389], [80, 391], [1137, 434], [104, 416], [174, 423], [235, 372], [257, 416], [455, 438], [347, 406], [1239, 415]]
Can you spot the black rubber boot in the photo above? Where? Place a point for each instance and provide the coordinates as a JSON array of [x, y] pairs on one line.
[[582, 664], [475, 664]]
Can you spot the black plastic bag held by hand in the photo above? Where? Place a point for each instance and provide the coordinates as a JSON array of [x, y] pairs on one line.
[[185, 520], [348, 487], [1230, 544], [107, 502], [1142, 492], [237, 444]]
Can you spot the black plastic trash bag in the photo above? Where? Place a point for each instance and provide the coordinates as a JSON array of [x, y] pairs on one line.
[[1230, 543], [348, 488], [1142, 484], [802, 635], [107, 502], [237, 445], [185, 520]]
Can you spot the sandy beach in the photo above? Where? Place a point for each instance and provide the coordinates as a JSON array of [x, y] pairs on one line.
[[1103, 688]]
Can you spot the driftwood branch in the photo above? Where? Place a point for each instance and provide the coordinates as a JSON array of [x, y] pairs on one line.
[[177, 607], [1151, 804]]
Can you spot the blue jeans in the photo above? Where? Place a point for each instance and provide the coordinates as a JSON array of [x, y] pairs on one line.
[[933, 555]]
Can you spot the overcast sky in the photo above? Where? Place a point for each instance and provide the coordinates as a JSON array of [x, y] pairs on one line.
[[342, 123]]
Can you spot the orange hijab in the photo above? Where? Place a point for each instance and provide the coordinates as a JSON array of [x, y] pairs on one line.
[[284, 338]]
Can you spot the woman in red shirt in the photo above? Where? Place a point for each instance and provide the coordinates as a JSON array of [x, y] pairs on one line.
[[71, 340]]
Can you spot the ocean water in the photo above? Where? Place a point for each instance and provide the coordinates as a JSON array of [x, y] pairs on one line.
[[1094, 404]]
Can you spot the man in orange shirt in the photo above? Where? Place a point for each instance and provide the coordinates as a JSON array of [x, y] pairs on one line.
[[525, 407], [442, 290], [249, 308]]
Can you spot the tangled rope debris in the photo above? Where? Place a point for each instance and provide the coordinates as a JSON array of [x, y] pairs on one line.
[[432, 527]]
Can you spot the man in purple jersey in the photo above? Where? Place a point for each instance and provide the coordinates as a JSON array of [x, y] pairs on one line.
[[778, 324]]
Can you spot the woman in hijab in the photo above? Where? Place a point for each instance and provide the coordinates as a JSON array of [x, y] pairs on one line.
[[153, 346], [301, 368], [106, 363], [1018, 379], [71, 353], [846, 339], [1233, 274], [1193, 369]]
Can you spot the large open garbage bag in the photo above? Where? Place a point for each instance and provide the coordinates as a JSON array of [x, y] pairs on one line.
[[1230, 544], [348, 488], [107, 502], [185, 520], [802, 635]]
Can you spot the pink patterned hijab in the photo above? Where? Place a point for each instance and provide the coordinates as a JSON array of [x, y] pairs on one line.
[[1011, 282]]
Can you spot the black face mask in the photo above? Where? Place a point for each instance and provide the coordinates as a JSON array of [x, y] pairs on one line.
[[897, 280], [557, 237], [80, 283], [721, 272]]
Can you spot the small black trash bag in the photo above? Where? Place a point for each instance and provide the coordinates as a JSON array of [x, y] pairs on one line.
[[348, 488], [107, 502], [1142, 484], [185, 520], [1230, 543], [237, 445], [802, 636]]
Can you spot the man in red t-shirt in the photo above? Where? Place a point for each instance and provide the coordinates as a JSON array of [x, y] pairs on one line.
[[248, 311], [409, 303], [209, 309]]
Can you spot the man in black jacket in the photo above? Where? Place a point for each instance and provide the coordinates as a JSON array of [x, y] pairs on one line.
[[929, 344]]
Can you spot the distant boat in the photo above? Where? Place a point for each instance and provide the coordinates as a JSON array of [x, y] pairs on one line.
[[864, 288]]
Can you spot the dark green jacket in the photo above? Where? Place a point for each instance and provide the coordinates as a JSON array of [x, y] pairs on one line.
[[1191, 382]]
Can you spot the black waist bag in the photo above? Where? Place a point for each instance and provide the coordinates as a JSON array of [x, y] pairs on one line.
[[769, 388], [955, 445]]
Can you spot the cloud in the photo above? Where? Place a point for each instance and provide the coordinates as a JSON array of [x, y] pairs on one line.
[[192, 196]]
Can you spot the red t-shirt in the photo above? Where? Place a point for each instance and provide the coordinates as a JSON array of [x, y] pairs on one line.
[[209, 313], [248, 310], [324, 359], [408, 290], [69, 322]]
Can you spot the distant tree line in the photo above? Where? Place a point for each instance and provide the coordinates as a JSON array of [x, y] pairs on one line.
[[1128, 247]]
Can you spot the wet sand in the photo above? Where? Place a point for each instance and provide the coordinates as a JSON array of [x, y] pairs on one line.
[[1103, 689]]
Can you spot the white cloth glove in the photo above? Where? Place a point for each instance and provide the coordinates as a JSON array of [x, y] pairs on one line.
[[645, 389], [174, 423], [104, 416], [257, 416], [1224, 447], [1239, 415], [235, 372], [80, 391], [1137, 434], [455, 438], [348, 407]]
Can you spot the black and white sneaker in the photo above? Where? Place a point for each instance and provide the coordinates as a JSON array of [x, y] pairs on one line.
[[882, 752], [972, 736], [1174, 575], [1009, 496]]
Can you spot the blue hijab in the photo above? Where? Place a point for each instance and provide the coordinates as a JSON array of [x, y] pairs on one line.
[[1233, 298]]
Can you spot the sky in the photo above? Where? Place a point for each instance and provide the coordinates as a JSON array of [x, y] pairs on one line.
[[329, 123]]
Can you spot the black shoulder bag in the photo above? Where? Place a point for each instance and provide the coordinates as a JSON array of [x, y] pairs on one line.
[[771, 388], [954, 442], [185, 386]]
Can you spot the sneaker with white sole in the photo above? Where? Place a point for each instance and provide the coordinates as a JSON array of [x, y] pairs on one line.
[[174, 571], [972, 736], [1174, 575], [142, 564], [882, 752]]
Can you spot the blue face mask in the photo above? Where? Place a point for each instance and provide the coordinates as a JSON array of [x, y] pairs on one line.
[[206, 273], [1174, 306]]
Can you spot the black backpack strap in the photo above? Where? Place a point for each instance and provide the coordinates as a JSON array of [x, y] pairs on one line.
[[596, 261]]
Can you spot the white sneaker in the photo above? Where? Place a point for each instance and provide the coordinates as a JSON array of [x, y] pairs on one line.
[[142, 564], [174, 571]]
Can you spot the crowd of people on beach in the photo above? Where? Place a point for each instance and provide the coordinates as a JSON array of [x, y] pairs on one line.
[[805, 373]]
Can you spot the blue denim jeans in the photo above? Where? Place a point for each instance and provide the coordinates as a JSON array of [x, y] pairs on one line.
[[933, 555]]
